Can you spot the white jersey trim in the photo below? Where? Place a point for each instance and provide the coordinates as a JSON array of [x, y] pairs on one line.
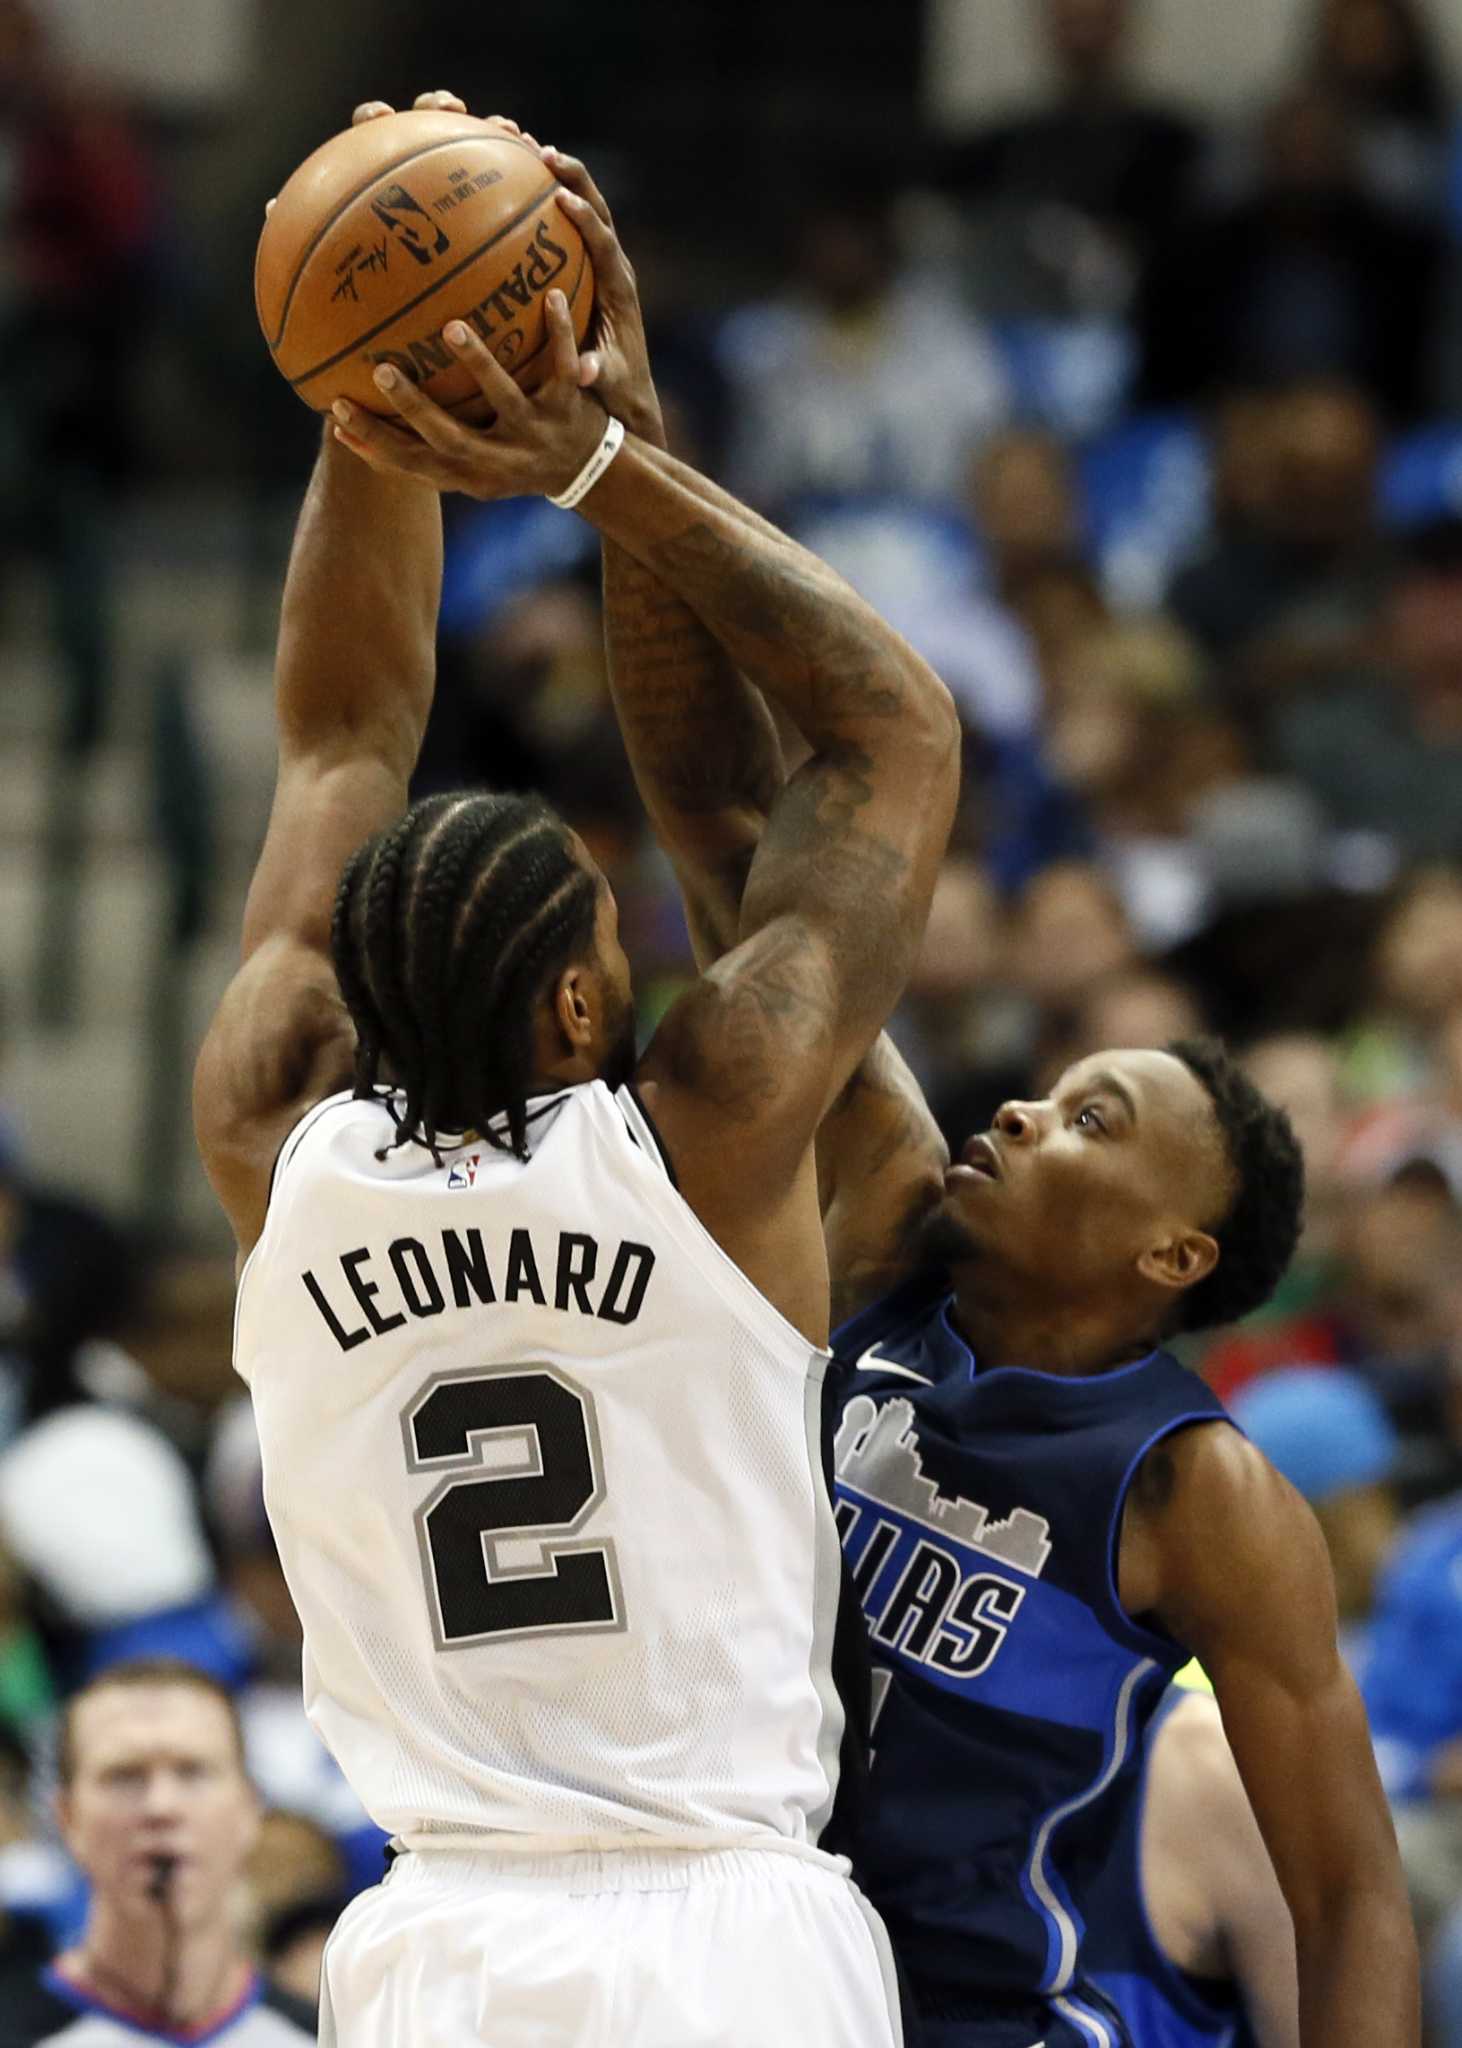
[[642, 1130], [281, 1159], [741, 1294]]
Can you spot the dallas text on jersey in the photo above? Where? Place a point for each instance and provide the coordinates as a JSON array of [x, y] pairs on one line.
[[358, 1305]]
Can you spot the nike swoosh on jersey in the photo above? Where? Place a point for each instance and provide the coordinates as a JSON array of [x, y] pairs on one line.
[[871, 1362]]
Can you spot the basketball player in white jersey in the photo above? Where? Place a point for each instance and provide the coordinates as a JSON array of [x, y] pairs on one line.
[[534, 1331]]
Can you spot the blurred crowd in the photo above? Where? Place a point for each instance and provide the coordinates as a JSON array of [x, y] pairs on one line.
[[1150, 437]]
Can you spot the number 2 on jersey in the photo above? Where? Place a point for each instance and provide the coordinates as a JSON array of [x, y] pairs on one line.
[[494, 1546]]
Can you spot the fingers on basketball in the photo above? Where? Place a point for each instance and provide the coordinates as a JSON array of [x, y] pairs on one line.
[[448, 103], [572, 172], [502, 392], [375, 440], [612, 268], [423, 415], [563, 349]]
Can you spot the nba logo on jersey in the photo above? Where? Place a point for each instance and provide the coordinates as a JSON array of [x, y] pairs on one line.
[[464, 1173]]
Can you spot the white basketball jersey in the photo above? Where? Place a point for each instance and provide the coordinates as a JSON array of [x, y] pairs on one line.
[[544, 1472]]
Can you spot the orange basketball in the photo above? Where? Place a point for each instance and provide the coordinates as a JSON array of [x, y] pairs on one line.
[[398, 226]]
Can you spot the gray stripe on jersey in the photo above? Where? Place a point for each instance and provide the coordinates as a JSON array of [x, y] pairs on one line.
[[827, 1581]]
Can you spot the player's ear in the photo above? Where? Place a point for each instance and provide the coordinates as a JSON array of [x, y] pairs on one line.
[[1179, 1261], [572, 1009]]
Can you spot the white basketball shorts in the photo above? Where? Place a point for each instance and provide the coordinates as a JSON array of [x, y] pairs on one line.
[[739, 1948]]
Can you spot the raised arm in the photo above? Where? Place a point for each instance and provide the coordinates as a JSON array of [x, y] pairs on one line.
[[1231, 1560], [704, 752], [839, 885], [354, 675], [353, 685]]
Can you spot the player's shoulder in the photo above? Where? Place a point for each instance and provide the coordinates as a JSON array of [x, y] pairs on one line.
[[1199, 1471]]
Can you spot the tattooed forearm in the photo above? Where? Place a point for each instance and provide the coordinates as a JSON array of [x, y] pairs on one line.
[[846, 864], [733, 1039], [790, 623], [700, 739]]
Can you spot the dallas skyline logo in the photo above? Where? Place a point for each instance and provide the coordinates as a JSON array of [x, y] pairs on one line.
[[876, 1453]]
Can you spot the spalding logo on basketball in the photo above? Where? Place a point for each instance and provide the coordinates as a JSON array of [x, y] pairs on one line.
[[394, 229]]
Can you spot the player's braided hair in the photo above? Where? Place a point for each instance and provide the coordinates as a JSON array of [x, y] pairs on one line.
[[447, 927], [1256, 1239]]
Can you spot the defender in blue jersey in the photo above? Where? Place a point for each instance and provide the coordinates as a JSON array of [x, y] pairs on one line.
[[1044, 1513]]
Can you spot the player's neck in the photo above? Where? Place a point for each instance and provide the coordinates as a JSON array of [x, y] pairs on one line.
[[1041, 1337], [175, 1982]]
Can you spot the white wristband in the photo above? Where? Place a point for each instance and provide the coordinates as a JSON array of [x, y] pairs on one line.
[[595, 467]]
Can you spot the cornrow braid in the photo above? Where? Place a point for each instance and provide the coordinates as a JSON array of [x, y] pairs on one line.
[[386, 945], [344, 949], [513, 971], [446, 928]]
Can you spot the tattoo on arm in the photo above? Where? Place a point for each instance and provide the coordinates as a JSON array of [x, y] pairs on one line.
[[798, 633], [699, 737]]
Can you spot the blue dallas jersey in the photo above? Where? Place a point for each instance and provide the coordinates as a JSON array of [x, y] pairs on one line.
[[1162, 2005], [979, 1513]]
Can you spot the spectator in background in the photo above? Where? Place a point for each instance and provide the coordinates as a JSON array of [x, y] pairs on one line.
[[1401, 1244], [1300, 1071], [79, 216], [1133, 1006], [1024, 503], [1125, 699], [156, 1809], [1424, 1125], [1330, 1435], [1188, 1932], [1069, 930], [1379, 742], [295, 1865], [961, 1026], [68, 1275], [860, 378], [1307, 278], [1378, 60], [42, 1894], [1296, 570], [287, 1760], [1074, 195], [1412, 1683], [1393, 1027], [293, 1942], [130, 1502]]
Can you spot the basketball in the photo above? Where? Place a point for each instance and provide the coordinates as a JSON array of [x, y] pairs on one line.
[[397, 227]]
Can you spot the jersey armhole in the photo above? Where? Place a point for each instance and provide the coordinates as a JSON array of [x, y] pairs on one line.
[[282, 1157], [1151, 1642], [644, 1130]]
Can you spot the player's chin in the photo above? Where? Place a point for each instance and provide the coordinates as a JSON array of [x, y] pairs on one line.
[[949, 1235]]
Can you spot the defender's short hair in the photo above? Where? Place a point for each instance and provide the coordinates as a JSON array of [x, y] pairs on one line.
[[1258, 1234]]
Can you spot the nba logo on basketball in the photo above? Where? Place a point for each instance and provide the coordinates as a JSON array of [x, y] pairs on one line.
[[464, 1173]]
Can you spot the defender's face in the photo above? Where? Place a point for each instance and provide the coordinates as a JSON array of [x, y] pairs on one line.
[[1070, 1191]]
